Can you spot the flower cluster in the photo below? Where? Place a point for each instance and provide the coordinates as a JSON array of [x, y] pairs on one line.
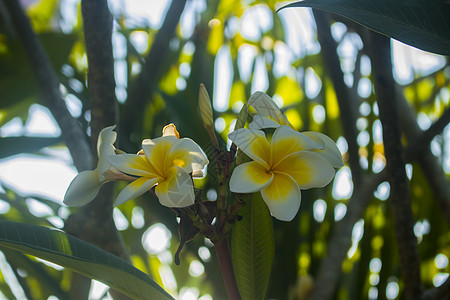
[[285, 164], [282, 163], [168, 162]]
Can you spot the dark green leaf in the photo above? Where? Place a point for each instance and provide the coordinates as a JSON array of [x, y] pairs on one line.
[[24, 144], [252, 247], [424, 24], [79, 256], [17, 79]]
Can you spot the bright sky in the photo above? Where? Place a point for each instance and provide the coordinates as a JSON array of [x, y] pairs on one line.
[[50, 176]]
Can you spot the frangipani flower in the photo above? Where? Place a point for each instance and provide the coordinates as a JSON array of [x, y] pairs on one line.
[[280, 168], [270, 116], [86, 185], [166, 162]]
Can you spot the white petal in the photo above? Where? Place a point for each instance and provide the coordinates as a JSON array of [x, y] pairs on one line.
[[171, 129], [330, 152], [307, 168], [282, 196], [286, 141], [266, 106], [253, 143], [263, 121], [249, 177], [133, 164], [186, 154], [83, 189], [135, 189], [106, 139], [177, 190]]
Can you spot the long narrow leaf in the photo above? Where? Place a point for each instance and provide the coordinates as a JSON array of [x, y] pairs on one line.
[[77, 255], [25, 144], [252, 248], [424, 24]]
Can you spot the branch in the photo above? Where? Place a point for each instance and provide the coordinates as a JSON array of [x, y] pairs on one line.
[[420, 148], [338, 245], [151, 71], [226, 266], [331, 266], [94, 222], [346, 99], [424, 138], [101, 83], [400, 198], [72, 133], [5, 21]]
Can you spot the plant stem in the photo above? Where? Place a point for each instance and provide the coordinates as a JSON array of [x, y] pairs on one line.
[[221, 190], [226, 266]]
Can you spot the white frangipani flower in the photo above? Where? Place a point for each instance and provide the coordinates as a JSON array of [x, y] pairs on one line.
[[166, 163], [280, 168], [270, 116]]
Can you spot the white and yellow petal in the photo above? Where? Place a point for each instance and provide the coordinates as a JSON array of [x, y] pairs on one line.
[[330, 150], [155, 150], [282, 196], [307, 168], [135, 189], [177, 190], [83, 189], [265, 105], [186, 154], [249, 177], [253, 143], [133, 164], [286, 141]]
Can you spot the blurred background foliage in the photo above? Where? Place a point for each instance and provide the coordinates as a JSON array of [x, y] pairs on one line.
[[234, 47]]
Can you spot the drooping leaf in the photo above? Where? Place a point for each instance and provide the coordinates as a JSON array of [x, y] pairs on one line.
[[77, 255], [17, 79], [252, 248], [424, 24], [24, 144]]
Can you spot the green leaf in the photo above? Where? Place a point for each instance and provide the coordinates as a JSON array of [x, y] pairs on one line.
[[25, 144], [424, 24], [17, 78], [252, 248], [77, 255]]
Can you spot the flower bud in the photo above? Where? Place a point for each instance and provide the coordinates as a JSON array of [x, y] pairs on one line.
[[204, 102]]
